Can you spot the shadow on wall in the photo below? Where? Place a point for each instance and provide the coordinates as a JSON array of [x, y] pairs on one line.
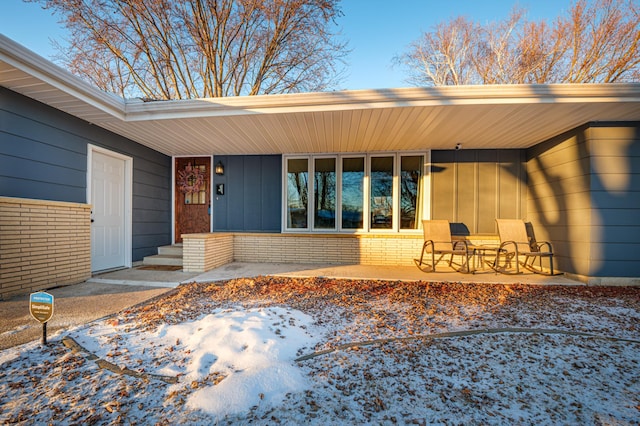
[[582, 198], [615, 198]]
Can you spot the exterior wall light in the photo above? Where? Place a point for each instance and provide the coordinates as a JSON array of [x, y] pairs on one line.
[[219, 168]]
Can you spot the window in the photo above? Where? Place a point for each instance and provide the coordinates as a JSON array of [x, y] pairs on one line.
[[354, 192], [324, 184], [381, 190], [297, 192], [195, 179], [410, 191]]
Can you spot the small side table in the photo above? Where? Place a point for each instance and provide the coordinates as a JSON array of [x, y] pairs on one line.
[[481, 252]]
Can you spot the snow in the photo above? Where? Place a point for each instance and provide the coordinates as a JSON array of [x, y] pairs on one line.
[[249, 349], [238, 364]]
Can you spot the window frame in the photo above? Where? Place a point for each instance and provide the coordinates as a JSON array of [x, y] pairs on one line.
[[312, 191], [425, 185], [285, 192], [365, 193]]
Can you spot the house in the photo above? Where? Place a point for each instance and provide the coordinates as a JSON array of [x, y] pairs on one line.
[[91, 182]]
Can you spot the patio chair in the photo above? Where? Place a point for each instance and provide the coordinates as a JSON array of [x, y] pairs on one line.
[[516, 242], [438, 242]]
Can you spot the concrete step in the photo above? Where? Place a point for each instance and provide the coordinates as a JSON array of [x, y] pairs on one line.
[[163, 259], [174, 250]]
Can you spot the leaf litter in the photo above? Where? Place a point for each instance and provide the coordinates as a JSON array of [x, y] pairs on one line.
[[233, 347]]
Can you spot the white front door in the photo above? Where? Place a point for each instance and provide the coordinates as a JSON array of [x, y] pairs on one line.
[[109, 205]]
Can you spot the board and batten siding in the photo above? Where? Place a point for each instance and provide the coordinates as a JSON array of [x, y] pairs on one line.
[[471, 188], [584, 196], [43, 156], [252, 200]]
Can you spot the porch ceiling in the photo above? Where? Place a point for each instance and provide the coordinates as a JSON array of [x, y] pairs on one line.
[[348, 121]]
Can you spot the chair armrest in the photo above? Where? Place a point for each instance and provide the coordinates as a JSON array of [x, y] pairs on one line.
[[505, 244], [538, 246]]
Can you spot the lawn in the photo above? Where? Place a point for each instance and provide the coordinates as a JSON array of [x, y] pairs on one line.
[[323, 351]]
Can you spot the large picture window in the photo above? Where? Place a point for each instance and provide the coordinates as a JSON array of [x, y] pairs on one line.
[[382, 192]]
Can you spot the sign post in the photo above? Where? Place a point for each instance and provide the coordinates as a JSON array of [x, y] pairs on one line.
[[41, 309]]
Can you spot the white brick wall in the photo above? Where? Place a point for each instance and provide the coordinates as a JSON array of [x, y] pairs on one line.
[[203, 252], [206, 251]]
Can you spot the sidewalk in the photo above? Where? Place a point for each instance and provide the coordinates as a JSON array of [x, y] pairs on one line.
[[73, 305]]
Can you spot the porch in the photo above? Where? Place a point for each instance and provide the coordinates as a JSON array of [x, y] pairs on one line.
[[158, 278]]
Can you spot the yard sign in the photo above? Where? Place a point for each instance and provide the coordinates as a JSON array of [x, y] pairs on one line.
[[41, 308]]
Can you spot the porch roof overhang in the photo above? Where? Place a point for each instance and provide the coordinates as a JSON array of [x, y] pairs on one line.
[[478, 117]]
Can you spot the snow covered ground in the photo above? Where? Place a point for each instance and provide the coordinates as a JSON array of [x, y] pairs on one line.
[[320, 351]]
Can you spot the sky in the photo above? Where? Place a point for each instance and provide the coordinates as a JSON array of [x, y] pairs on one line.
[[376, 30]]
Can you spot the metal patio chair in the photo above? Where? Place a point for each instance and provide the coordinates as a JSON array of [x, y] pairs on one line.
[[438, 242], [515, 242]]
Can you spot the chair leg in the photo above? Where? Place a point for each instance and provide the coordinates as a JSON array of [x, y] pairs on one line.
[[420, 262]]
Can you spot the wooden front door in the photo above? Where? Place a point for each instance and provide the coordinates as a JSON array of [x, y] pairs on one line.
[[193, 196]]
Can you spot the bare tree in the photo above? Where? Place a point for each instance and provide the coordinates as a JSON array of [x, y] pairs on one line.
[[173, 49], [596, 42], [443, 57]]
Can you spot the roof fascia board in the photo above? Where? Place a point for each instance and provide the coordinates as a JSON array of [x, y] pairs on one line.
[[133, 110], [46, 71], [137, 110]]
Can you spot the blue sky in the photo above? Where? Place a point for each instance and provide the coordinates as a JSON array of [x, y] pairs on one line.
[[376, 30]]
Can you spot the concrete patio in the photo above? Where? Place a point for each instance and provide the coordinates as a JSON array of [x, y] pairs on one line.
[[160, 278]]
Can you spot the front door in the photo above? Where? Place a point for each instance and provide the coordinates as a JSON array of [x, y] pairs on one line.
[[193, 196], [108, 210]]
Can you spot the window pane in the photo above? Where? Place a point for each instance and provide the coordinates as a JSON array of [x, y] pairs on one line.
[[297, 192], [410, 191], [382, 192], [324, 216], [352, 192]]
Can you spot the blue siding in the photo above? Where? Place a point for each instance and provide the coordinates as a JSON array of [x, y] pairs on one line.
[[43, 155], [614, 177], [252, 199], [591, 171]]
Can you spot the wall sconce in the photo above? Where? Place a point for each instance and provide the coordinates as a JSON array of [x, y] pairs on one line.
[[219, 168]]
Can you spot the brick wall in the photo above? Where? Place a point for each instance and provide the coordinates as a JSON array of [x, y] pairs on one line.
[[43, 244], [335, 249], [203, 252]]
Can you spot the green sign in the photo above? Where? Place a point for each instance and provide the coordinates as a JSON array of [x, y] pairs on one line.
[[41, 306]]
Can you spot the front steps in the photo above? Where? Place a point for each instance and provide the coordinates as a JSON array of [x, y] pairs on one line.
[[167, 256]]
